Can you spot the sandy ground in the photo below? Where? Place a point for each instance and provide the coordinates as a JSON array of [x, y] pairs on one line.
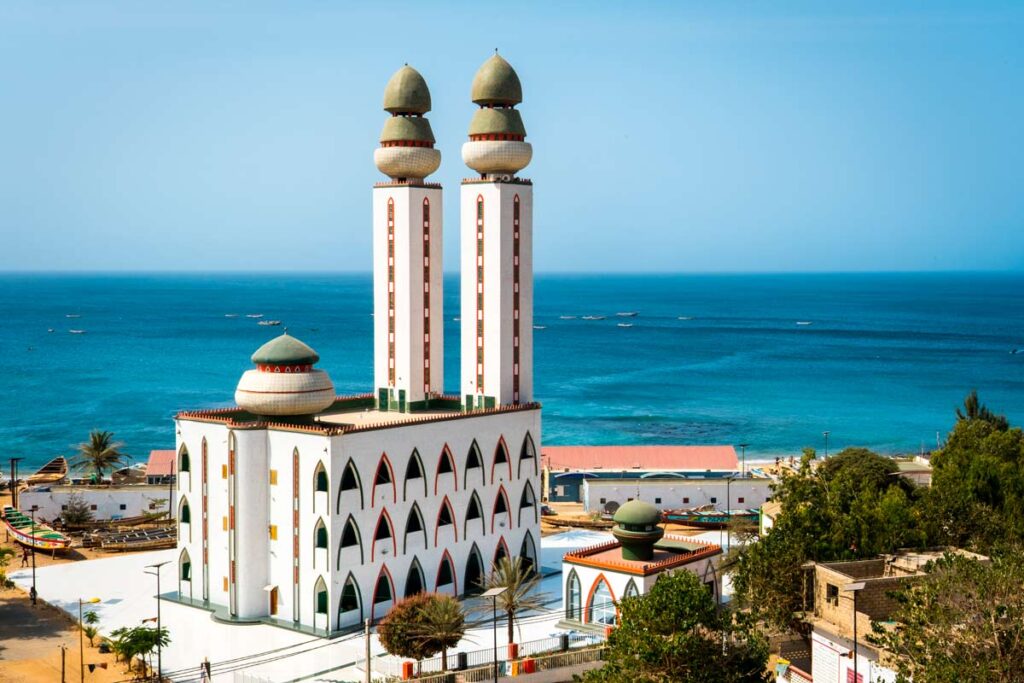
[[31, 640]]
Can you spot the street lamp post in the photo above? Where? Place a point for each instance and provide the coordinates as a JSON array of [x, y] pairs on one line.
[[33, 594], [159, 647], [854, 588], [81, 638], [826, 433], [743, 449], [493, 594], [14, 481]]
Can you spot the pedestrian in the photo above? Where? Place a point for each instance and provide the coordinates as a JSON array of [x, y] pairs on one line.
[[24, 557]]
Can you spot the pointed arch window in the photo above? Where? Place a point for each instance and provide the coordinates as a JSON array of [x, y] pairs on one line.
[[320, 596], [445, 465], [527, 500], [350, 538], [445, 518], [414, 581], [474, 461], [321, 484], [385, 477], [383, 532], [501, 507], [413, 525], [446, 575], [528, 455], [383, 591], [631, 590], [474, 511], [350, 606], [414, 470], [500, 458], [185, 517], [184, 566], [573, 597], [350, 481], [472, 581], [184, 464], [501, 552], [601, 605], [528, 553]]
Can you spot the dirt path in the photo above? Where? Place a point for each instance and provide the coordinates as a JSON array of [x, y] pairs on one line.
[[30, 645]]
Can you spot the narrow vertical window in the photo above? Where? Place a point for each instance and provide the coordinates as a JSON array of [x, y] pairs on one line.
[[480, 295], [426, 296], [391, 292], [515, 299]]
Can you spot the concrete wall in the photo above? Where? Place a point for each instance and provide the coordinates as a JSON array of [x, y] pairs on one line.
[[109, 502], [673, 492]]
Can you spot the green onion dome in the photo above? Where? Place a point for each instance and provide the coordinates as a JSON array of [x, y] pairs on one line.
[[285, 350], [636, 529], [407, 93], [407, 128], [496, 83], [637, 513], [487, 121]]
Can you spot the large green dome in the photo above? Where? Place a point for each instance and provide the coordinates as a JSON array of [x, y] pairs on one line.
[[285, 350], [407, 128], [496, 83], [407, 93], [637, 513]]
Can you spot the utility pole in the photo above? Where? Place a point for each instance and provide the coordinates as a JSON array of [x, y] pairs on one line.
[[366, 638], [14, 481], [826, 433], [159, 632], [743, 448], [63, 651], [33, 594]]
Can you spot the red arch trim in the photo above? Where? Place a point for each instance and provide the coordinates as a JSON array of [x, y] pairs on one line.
[[501, 544], [437, 521], [384, 517], [373, 593], [451, 565], [508, 509], [494, 458], [451, 461], [590, 596], [384, 459]]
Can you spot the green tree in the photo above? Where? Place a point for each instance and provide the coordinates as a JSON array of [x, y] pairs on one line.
[[520, 583], [5, 557], [139, 641], [78, 511], [963, 622], [398, 631], [99, 454], [440, 624], [974, 409], [676, 634]]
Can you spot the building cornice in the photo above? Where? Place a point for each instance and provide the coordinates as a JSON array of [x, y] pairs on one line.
[[584, 557]]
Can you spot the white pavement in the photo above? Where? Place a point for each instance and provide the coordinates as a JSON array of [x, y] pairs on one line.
[[236, 651]]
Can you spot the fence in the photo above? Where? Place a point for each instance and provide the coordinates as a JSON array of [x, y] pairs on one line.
[[544, 663], [391, 667]]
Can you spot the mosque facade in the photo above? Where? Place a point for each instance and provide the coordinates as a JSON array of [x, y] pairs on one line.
[[317, 512]]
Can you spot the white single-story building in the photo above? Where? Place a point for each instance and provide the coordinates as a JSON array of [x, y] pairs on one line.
[[669, 492], [104, 501]]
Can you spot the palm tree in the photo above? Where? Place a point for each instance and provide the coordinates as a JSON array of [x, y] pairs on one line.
[[441, 625], [99, 453], [520, 582]]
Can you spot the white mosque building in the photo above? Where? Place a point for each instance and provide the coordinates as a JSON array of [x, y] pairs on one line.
[[313, 511]]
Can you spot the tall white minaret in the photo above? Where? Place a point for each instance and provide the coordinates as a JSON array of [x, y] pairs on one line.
[[497, 246], [408, 336]]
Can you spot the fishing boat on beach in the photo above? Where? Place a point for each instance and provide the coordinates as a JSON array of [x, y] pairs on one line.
[[50, 473], [708, 517], [38, 535]]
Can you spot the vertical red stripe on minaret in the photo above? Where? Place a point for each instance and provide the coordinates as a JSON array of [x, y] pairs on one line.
[[426, 296], [391, 292], [206, 523], [515, 299], [480, 295]]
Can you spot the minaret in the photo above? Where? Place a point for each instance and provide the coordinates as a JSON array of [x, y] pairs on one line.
[[408, 337], [497, 246]]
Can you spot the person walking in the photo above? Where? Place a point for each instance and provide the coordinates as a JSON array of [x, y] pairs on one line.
[[24, 557]]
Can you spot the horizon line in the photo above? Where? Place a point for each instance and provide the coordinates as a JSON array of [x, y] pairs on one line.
[[449, 273]]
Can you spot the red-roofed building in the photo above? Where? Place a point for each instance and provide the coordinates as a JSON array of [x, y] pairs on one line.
[[160, 468]]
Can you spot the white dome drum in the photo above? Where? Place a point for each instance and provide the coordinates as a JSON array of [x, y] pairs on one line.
[[497, 156], [407, 162], [281, 393]]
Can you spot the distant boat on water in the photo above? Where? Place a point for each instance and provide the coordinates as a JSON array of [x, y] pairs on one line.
[[685, 317], [625, 324], [540, 327], [594, 317], [230, 315], [269, 323], [49, 329], [77, 331], [627, 314], [72, 315], [566, 317], [803, 322], [253, 315]]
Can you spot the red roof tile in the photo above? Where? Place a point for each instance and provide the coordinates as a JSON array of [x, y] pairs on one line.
[[672, 458], [160, 463]]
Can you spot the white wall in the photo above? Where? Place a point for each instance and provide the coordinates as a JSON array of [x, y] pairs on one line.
[[409, 285], [137, 500], [498, 229], [831, 661], [673, 492]]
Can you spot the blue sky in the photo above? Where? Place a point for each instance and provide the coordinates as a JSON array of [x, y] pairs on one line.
[[695, 137]]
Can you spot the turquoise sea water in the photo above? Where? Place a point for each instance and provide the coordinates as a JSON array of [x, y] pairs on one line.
[[883, 362]]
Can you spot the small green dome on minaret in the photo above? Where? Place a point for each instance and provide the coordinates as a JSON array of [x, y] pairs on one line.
[[407, 93], [496, 83], [285, 350], [636, 528]]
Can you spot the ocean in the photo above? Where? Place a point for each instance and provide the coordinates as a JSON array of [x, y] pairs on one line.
[[878, 360]]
